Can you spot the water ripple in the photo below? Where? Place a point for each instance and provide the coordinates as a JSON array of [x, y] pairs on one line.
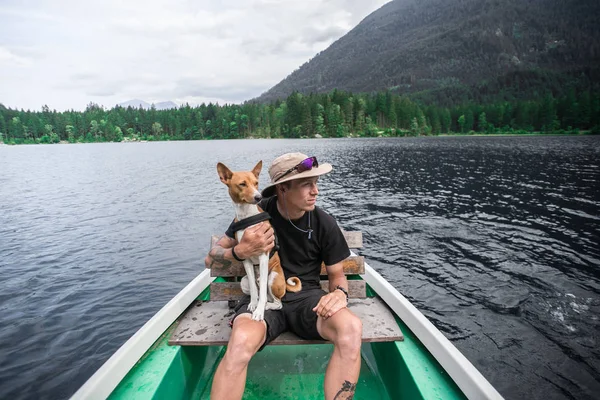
[[494, 239]]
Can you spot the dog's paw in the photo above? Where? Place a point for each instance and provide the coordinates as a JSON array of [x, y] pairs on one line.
[[252, 306], [258, 314]]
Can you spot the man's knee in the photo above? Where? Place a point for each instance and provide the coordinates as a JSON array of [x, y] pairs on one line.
[[246, 338], [349, 335]]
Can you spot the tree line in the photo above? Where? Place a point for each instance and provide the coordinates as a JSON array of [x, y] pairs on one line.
[[334, 114]]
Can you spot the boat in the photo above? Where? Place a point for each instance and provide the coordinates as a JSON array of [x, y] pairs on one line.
[[422, 364]]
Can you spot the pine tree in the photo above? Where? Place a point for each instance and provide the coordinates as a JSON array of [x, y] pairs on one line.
[[348, 111], [381, 108], [244, 125], [446, 120], [523, 116], [469, 120], [294, 111], [334, 118], [595, 110], [570, 110], [17, 128], [3, 130], [360, 106], [435, 120], [548, 117], [414, 127], [307, 125], [157, 129], [482, 123], [461, 123], [393, 117], [319, 122], [585, 110], [208, 129]]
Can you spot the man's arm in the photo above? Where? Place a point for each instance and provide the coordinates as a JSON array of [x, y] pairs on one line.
[[256, 240], [221, 252], [335, 300], [336, 276]]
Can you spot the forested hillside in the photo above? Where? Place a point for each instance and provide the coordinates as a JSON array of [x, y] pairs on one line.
[[334, 114], [453, 51]]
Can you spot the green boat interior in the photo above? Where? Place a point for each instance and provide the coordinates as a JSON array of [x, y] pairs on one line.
[[181, 364]]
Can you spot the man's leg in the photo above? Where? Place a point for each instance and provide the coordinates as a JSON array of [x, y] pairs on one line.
[[344, 329], [246, 338]]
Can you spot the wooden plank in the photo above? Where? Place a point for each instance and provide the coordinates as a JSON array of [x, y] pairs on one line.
[[354, 239], [228, 268], [207, 324], [352, 265], [220, 291]]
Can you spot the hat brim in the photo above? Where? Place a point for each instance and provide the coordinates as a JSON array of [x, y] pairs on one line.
[[316, 171]]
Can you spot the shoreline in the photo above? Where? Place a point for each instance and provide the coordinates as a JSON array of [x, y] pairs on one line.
[[510, 134]]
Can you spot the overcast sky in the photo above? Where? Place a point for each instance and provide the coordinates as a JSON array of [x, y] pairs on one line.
[[68, 53]]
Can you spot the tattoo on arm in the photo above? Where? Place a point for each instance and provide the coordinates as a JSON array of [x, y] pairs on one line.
[[218, 256], [217, 252], [346, 392]]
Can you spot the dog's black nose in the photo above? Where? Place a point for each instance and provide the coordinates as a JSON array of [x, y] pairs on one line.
[[258, 198]]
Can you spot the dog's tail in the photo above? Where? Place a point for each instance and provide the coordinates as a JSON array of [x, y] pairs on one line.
[[293, 284]]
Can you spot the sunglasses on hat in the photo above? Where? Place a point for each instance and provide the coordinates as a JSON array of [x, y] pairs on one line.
[[302, 166]]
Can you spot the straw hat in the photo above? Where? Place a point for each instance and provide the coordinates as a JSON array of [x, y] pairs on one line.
[[287, 161]]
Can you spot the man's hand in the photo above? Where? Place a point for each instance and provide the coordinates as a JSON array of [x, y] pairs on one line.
[[257, 240], [331, 303]]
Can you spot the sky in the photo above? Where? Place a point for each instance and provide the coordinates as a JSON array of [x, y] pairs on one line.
[[66, 54]]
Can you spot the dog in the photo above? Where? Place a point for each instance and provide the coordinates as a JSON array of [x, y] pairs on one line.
[[243, 190]]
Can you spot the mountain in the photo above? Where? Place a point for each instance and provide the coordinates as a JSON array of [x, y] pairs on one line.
[[165, 105], [448, 50], [137, 103]]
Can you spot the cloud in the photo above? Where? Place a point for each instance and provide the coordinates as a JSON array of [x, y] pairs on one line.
[[69, 53], [7, 57], [101, 93], [312, 35], [226, 91], [26, 14]]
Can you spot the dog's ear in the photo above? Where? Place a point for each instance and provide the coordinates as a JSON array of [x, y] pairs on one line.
[[257, 168], [225, 173]]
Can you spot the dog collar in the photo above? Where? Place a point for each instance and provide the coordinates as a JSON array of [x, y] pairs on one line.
[[253, 220]]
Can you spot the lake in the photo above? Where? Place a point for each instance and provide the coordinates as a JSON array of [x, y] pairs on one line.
[[494, 239]]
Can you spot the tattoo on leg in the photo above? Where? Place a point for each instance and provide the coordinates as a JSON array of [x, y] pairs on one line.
[[346, 392]]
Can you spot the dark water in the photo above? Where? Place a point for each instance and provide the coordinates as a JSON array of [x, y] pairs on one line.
[[494, 239]]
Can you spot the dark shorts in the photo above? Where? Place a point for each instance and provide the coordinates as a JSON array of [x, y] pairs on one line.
[[296, 315]]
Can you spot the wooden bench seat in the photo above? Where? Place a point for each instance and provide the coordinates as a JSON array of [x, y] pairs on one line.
[[353, 265], [232, 290], [206, 323]]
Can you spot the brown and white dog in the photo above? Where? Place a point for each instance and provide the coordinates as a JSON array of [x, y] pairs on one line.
[[243, 190]]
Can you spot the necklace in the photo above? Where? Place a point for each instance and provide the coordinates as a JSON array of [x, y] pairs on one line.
[[309, 230]]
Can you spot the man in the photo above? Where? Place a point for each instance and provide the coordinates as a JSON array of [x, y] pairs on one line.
[[307, 236]]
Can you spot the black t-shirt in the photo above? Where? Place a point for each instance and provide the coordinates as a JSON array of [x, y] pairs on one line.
[[299, 255]]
